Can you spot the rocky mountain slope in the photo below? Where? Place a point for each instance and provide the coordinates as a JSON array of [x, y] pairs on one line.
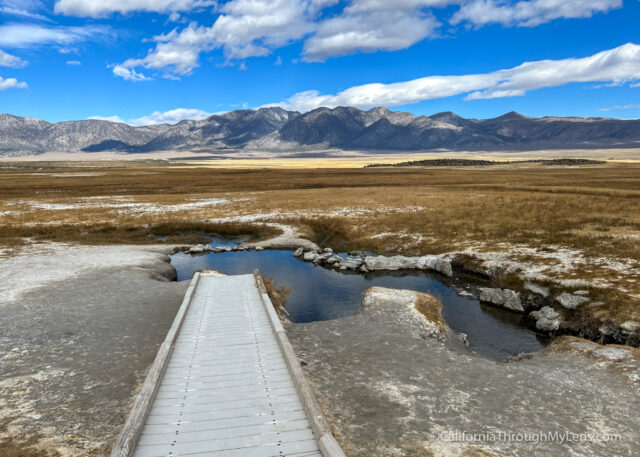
[[340, 128]]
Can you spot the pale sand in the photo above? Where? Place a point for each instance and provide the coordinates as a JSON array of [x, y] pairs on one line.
[[326, 158]]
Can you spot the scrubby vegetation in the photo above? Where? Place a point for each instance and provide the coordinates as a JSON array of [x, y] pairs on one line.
[[277, 294], [552, 212], [175, 232]]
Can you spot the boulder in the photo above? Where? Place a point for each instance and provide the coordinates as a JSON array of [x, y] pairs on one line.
[[259, 248], [297, 253], [196, 249], [435, 263], [351, 263], [630, 327], [505, 298], [407, 305], [324, 256], [570, 301], [582, 293], [309, 256], [328, 250], [333, 259], [398, 262], [547, 319]]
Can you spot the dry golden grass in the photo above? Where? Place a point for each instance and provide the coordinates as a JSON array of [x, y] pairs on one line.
[[24, 445], [563, 344], [431, 308], [593, 210], [104, 233], [277, 294]]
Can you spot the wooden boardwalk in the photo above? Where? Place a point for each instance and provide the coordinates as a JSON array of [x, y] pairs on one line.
[[226, 383]]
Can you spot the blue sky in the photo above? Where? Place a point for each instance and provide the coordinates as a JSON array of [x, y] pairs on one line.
[[148, 61]]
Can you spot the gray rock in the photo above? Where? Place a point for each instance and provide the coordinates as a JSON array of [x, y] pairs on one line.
[[635, 375], [333, 259], [630, 327], [582, 293], [324, 256], [208, 248], [547, 319], [309, 256], [570, 301], [398, 262], [328, 250], [351, 263], [228, 249], [298, 252], [536, 289], [436, 263], [613, 353], [196, 249], [506, 298], [259, 248]]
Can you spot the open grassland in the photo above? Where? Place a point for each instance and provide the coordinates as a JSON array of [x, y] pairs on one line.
[[569, 223]]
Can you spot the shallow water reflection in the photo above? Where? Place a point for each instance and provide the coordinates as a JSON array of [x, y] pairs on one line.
[[321, 294]]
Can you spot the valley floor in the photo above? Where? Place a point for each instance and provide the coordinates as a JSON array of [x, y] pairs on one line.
[[569, 227]]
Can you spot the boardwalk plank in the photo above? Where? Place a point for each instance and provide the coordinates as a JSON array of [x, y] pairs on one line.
[[226, 387]]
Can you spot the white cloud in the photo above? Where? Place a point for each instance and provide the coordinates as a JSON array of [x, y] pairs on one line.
[[128, 74], [102, 8], [8, 60], [108, 118], [618, 107], [373, 25], [245, 28], [253, 28], [278, 61], [30, 35], [23, 8], [74, 63], [161, 117], [614, 65], [369, 31], [171, 117], [529, 13], [176, 52], [11, 83]]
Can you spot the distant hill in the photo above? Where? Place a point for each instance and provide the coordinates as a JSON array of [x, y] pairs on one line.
[[278, 130]]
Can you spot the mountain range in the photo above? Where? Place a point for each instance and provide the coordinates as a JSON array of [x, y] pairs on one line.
[[344, 128]]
